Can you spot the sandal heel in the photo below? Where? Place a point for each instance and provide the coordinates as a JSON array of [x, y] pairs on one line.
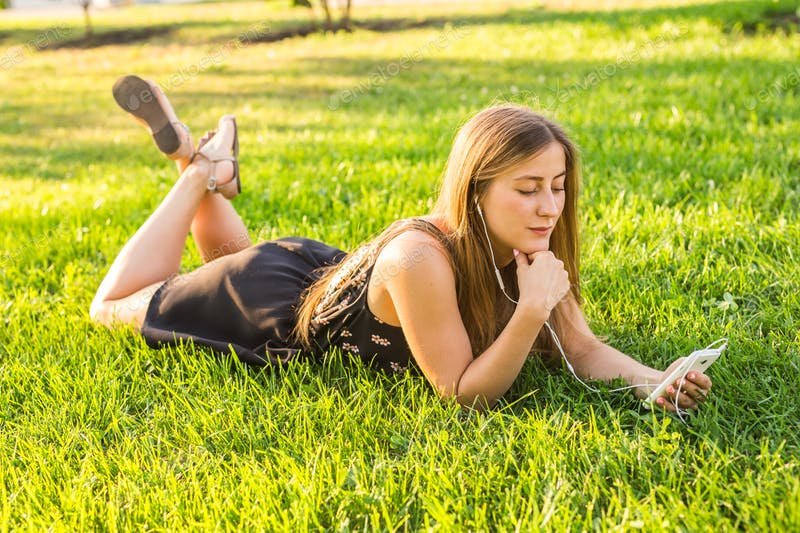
[[167, 140]]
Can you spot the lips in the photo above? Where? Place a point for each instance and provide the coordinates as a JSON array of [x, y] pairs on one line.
[[542, 230]]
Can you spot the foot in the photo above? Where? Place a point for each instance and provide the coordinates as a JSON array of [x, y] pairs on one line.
[[148, 104], [198, 157], [221, 148], [204, 139]]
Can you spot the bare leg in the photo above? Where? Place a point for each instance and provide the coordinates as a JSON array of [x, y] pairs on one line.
[[217, 228], [153, 253]]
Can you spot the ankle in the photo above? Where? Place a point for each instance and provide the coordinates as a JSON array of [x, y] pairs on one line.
[[182, 164], [197, 171]]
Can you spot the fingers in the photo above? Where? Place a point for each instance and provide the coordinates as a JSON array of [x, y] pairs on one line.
[[665, 404], [668, 404], [696, 386], [685, 399], [534, 255], [688, 391], [701, 380], [694, 390], [521, 259], [689, 397]]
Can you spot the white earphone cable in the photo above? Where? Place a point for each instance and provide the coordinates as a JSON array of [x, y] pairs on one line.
[[557, 342]]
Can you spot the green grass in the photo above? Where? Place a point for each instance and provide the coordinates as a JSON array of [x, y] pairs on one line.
[[690, 233]]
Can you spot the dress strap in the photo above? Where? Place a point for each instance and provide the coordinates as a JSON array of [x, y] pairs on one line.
[[430, 224]]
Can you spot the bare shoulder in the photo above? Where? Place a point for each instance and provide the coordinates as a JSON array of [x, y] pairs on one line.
[[414, 254], [413, 250], [421, 285]]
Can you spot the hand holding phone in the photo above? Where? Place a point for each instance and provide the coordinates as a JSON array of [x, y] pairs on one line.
[[697, 361]]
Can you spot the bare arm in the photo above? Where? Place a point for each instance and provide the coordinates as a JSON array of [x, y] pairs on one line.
[[435, 331], [441, 347], [592, 359], [492, 373]]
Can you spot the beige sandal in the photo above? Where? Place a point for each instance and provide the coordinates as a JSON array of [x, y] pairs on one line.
[[216, 154]]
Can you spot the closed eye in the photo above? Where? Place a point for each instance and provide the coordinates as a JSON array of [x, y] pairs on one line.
[[528, 193]]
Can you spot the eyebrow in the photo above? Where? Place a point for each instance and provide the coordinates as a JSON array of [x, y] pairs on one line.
[[539, 178]]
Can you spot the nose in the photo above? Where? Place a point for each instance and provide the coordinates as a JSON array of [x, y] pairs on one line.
[[548, 206]]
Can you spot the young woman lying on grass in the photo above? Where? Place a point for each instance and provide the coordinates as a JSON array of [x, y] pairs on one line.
[[433, 293]]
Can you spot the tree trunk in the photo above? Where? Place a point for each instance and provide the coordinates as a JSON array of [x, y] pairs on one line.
[[327, 11], [346, 16], [86, 5]]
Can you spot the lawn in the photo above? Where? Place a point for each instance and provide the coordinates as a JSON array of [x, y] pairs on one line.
[[687, 116]]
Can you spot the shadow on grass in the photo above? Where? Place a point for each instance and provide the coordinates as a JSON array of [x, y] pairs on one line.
[[424, 94], [123, 36], [750, 16], [771, 20]]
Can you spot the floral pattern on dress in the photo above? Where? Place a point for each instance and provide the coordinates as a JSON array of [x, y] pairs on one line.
[[350, 347], [397, 367], [377, 339], [350, 334]]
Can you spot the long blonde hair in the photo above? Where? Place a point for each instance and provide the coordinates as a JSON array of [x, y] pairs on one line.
[[491, 143]]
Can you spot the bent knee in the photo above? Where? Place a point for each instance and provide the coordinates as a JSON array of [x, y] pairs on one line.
[[130, 310], [98, 313]]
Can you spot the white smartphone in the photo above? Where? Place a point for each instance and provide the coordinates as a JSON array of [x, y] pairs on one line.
[[697, 361]]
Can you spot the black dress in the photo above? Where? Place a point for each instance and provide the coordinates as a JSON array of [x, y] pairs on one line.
[[245, 303]]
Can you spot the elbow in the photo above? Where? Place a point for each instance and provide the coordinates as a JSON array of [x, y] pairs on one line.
[[468, 400], [473, 401], [477, 403]]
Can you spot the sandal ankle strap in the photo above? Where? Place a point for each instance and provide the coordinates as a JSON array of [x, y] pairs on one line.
[[211, 185]]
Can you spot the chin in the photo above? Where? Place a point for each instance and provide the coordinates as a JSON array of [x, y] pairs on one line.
[[539, 247]]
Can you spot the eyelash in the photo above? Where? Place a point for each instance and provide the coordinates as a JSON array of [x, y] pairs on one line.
[[528, 193]]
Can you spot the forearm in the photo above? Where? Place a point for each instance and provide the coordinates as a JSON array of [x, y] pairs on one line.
[[492, 373], [600, 361]]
